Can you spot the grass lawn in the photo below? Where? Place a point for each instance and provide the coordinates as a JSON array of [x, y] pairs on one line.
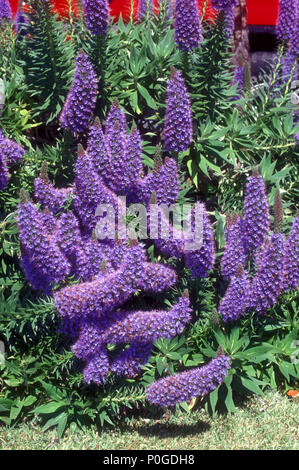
[[270, 422]]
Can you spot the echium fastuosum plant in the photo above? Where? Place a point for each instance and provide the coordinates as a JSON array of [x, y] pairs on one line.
[[187, 24], [59, 238], [96, 13], [5, 11], [178, 128]]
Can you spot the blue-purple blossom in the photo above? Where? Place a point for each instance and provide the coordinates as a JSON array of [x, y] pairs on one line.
[[256, 213], [234, 252], [236, 299], [12, 152], [44, 264], [96, 13], [291, 258], [5, 10], [200, 261], [81, 100], [47, 195], [129, 361], [97, 368], [288, 10], [145, 9], [267, 283], [147, 327], [177, 130], [184, 386], [4, 174], [187, 24]]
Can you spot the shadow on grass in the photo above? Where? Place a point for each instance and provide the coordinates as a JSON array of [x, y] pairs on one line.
[[165, 430]]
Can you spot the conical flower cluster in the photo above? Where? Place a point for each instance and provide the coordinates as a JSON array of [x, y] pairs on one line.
[[145, 9], [60, 240], [236, 299], [234, 252], [268, 282], [80, 102], [5, 10], [11, 154], [291, 258], [286, 26], [184, 386], [187, 24], [272, 263], [96, 13], [178, 120], [256, 222]]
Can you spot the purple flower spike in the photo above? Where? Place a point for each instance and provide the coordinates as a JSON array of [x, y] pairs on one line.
[[97, 368], [267, 284], [12, 152], [89, 342], [286, 25], [145, 7], [44, 264], [291, 258], [178, 120], [147, 327], [256, 213], [96, 14], [187, 24], [81, 100], [234, 252], [184, 386], [200, 261], [236, 299], [129, 361], [5, 11], [47, 195], [4, 174], [156, 277], [98, 149]]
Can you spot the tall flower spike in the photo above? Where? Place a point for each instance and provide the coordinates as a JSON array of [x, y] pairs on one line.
[[5, 10], [184, 386], [287, 19], [236, 299], [4, 174], [177, 130], [145, 9], [187, 24], [97, 368], [200, 261], [96, 14], [44, 264], [278, 211], [147, 327], [256, 213], [234, 252], [291, 258], [98, 149], [168, 186], [80, 102], [129, 361], [47, 195], [96, 298], [267, 284], [12, 152]]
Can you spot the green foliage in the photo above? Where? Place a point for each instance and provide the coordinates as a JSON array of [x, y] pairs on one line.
[[46, 56]]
